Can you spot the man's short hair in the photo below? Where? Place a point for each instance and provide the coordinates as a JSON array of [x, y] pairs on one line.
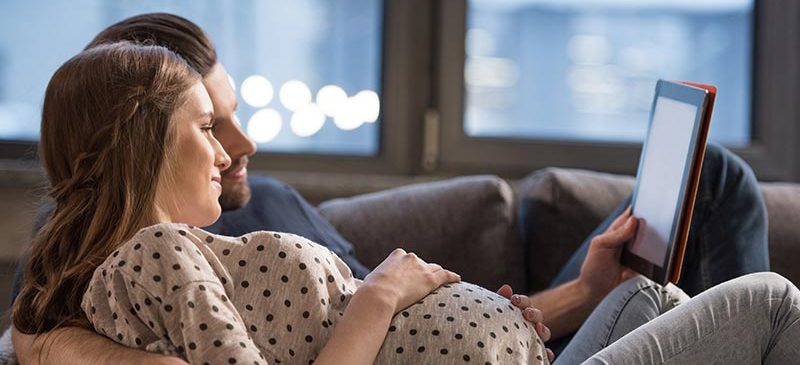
[[173, 32]]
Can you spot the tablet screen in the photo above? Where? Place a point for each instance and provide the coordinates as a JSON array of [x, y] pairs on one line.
[[659, 187]]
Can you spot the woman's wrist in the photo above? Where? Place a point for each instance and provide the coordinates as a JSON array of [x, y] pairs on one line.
[[380, 297]]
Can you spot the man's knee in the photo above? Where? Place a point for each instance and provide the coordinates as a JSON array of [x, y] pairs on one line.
[[770, 285], [729, 173]]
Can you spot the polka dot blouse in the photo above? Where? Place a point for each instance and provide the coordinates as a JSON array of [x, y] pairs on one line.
[[275, 298]]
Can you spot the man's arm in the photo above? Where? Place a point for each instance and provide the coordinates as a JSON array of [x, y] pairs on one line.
[[567, 306], [78, 346]]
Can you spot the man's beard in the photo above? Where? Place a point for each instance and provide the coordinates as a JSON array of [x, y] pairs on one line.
[[234, 195]]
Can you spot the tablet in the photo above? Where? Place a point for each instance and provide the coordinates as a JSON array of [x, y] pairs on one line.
[[667, 179]]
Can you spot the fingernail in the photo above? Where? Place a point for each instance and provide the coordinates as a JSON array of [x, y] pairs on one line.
[[515, 299]]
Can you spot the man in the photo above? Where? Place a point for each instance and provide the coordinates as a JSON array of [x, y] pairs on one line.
[[265, 204]]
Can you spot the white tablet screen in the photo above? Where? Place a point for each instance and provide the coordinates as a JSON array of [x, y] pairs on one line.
[[659, 185]]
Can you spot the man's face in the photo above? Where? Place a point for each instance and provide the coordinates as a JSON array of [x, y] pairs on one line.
[[235, 189]]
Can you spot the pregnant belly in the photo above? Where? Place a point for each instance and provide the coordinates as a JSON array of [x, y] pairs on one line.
[[461, 323]]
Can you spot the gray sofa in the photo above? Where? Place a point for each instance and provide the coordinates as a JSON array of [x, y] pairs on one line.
[[469, 225]]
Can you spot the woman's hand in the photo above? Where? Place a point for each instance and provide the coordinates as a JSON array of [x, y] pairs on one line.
[[402, 279], [530, 313], [601, 270]]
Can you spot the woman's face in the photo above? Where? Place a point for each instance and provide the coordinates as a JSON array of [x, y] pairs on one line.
[[192, 183]]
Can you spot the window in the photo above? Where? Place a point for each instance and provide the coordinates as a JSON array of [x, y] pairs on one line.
[[526, 84], [586, 70], [307, 72]]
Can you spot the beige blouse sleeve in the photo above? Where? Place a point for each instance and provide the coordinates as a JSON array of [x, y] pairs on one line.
[[159, 288]]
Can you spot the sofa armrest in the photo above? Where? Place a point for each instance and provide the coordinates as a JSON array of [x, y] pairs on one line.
[[466, 224]]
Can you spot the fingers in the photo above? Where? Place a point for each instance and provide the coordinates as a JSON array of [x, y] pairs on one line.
[[615, 238], [521, 301], [550, 355], [445, 276], [543, 331], [619, 221], [505, 291], [533, 315]]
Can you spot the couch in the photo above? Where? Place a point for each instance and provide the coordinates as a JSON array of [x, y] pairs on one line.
[[469, 224]]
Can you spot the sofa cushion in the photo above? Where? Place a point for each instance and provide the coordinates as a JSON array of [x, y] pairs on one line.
[[562, 207], [565, 205], [466, 224]]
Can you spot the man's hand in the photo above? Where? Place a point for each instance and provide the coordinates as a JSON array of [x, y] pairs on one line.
[[73, 345], [601, 270], [530, 313]]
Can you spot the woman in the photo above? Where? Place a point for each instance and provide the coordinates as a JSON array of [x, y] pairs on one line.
[[127, 144], [127, 148]]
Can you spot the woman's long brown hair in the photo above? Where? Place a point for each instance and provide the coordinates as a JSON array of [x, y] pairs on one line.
[[105, 138]]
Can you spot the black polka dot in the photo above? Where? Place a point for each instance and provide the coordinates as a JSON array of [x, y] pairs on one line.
[[244, 239], [481, 344], [276, 235], [443, 351], [421, 349], [303, 290], [330, 278], [459, 336], [466, 358], [288, 328], [272, 341], [253, 328], [508, 349], [260, 248], [192, 346], [190, 304], [217, 343], [263, 268], [159, 234], [399, 350], [209, 239], [245, 284], [282, 254], [156, 278], [413, 332], [229, 326], [392, 328], [176, 267], [137, 268], [178, 248], [201, 287], [302, 266], [309, 339], [285, 279], [266, 293], [226, 252], [156, 255], [287, 303], [242, 263], [203, 326], [435, 332]]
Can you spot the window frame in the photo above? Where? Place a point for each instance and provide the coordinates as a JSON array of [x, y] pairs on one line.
[[405, 89], [771, 153]]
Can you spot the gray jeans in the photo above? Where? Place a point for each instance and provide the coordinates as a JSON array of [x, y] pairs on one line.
[[754, 319]]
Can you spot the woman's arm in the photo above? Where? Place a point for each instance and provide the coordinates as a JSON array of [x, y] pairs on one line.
[[400, 281], [78, 346]]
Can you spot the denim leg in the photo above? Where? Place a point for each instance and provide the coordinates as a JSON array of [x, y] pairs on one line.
[[728, 234], [630, 305], [754, 319]]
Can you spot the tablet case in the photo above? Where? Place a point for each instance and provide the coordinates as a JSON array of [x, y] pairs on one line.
[[672, 272], [694, 181]]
